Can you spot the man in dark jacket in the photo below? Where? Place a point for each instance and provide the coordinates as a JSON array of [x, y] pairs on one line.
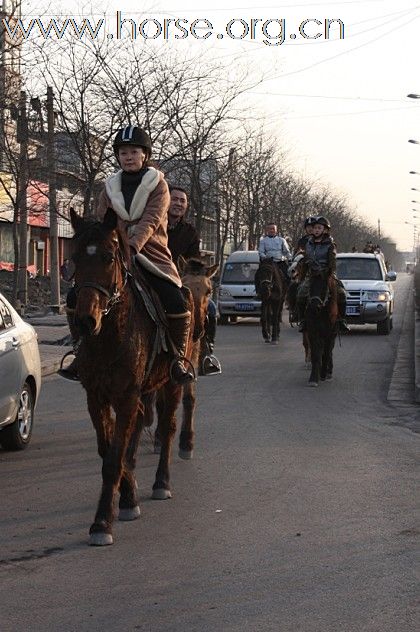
[[184, 240]]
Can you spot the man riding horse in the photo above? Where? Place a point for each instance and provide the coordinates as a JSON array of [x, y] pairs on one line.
[[183, 240], [320, 251], [274, 247]]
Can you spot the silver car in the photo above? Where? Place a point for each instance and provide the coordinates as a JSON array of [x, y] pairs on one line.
[[20, 378], [368, 285]]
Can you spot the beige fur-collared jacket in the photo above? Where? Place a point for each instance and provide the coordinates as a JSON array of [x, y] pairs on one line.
[[146, 221]]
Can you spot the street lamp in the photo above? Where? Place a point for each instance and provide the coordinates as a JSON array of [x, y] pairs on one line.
[[415, 142], [414, 173], [413, 96]]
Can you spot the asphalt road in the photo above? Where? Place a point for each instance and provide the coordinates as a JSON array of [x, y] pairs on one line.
[[297, 513]]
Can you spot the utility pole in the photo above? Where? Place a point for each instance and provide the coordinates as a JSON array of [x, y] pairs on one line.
[[52, 194], [22, 138], [379, 229]]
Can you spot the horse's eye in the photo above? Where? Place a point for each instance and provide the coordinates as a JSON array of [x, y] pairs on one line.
[[107, 257]]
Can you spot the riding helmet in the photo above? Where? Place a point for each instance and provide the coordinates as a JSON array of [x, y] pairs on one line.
[[132, 135], [309, 221], [323, 221]]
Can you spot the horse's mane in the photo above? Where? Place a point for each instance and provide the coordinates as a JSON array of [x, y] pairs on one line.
[[270, 265]]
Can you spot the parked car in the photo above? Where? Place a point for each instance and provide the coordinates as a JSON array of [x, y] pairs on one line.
[[236, 295], [368, 284], [20, 378]]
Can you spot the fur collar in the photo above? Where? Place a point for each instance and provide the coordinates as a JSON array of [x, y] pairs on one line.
[[148, 184]]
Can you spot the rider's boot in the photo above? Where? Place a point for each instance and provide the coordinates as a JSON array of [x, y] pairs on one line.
[[179, 330], [210, 364], [71, 372]]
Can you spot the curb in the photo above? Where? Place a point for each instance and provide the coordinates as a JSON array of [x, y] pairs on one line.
[[417, 357]]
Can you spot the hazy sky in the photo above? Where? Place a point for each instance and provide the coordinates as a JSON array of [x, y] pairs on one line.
[[338, 105]]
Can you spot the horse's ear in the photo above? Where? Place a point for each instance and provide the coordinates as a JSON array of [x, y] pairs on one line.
[[76, 220], [110, 219], [211, 270], [182, 264]]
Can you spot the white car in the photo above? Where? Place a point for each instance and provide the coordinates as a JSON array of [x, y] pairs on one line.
[[20, 378], [368, 285]]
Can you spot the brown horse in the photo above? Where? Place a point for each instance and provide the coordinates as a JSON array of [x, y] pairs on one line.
[[321, 315], [119, 363], [272, 289], [196, 277]]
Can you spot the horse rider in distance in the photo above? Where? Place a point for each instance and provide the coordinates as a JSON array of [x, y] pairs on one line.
[[139, 195], [320, 256], [183, 240], [274, 247]]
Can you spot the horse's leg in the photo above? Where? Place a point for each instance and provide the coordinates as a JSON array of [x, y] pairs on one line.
[[316, 352], [186, 437], [330, 357], [275, 322], [264, 321], [307, 349], [126, 410], [167, 428], [160, 405], [128, 505]]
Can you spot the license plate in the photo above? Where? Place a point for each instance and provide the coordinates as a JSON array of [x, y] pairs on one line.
[[244, 307], [352, 310]]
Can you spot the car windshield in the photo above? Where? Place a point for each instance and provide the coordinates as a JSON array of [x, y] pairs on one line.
[[239, 272], [358, 269]]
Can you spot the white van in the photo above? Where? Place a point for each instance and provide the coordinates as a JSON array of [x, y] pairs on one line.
[[236, 294]]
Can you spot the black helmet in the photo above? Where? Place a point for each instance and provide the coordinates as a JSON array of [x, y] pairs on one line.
[[323, 221], [132, 135], [309, 221]]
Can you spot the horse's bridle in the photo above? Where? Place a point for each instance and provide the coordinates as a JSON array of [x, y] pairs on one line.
[[114, 294]]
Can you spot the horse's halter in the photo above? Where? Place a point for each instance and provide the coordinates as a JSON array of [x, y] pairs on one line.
[[114, 294]]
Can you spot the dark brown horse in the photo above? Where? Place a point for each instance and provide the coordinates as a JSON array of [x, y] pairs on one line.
[[196, 277], [272, 289], [321, 315], [119, 363]]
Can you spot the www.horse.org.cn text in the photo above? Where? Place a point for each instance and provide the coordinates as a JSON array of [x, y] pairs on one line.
[[271, 32]]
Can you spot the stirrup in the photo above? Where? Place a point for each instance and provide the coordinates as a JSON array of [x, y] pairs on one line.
[[210, 365], [188, 377], [64, 372]]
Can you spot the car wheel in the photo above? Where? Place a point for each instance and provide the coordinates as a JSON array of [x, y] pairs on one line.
[[223, 319], [384, 327], [17, 435]]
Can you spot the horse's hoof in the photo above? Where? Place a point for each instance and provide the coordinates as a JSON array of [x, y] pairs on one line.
[[274, 342], [313, 384], [161, 494], [267, 340], [100, 539], [132, 513], [187, 455], [329, 377]]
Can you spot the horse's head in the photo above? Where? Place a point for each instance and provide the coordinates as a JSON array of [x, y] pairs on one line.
[[99, 255], [318, 291], [196, 277], [266, 278]]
